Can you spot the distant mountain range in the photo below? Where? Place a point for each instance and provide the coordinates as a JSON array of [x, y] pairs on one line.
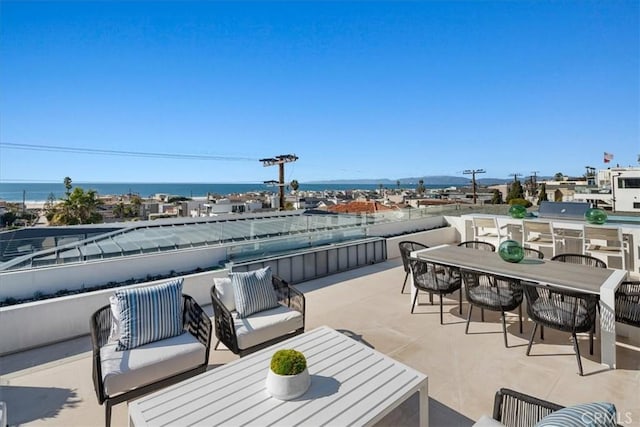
[[428, 180]]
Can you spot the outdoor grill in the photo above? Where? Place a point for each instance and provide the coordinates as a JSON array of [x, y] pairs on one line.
[[563, 210]]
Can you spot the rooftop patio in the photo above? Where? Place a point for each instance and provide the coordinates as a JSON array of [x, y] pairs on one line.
[[52, 385]]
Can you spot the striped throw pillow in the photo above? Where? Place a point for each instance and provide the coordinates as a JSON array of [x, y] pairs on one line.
[[253, 291], [149, 314], [597, 414]]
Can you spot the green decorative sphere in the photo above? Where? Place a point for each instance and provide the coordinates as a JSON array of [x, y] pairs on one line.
[[517, 211], [595, 216], [511, 251]]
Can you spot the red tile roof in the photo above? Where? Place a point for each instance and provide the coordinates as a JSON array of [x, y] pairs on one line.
[[359, 207]]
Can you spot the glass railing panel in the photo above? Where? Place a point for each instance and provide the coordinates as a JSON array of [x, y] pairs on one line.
[[109, 248], [91, 251], [44, 261], [126, 242], [69, 256]]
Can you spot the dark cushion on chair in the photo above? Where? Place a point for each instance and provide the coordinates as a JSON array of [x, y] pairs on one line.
[[559, 313], [489, 296]]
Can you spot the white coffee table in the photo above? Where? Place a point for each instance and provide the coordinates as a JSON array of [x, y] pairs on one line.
[[351, 384]]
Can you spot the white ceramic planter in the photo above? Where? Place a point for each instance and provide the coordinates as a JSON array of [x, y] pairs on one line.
[[287, 387]]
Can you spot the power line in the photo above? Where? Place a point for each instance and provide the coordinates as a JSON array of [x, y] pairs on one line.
[[103, 152]]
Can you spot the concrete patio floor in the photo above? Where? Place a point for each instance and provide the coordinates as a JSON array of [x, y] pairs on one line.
[[52, 386]]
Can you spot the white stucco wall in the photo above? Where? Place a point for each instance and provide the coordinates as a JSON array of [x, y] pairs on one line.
[[34, 324]]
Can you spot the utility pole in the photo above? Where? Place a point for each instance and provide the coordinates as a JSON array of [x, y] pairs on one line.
[[515, 176], [473, 173], [614, 177], [532, 185], [280, 161]]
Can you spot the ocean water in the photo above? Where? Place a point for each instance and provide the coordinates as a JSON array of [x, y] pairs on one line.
[[38, 192]]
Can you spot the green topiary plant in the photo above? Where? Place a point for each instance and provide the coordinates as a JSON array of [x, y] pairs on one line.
[[521, 202], [288, 362]]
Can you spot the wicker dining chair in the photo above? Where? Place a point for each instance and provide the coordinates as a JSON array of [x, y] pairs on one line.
[[406, 247], [477, 244], [628, 303], [563, 310], [533, 253], [580, 259], [492, 292], [435, 279]]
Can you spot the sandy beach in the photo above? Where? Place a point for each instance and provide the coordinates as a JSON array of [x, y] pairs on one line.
[[34, 204]]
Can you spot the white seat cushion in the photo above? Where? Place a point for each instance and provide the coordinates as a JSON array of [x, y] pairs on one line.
[[224, 292], [265, 325], [487, 421], [125, 370]]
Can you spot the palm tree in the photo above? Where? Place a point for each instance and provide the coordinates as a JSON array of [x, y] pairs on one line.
[[78, 207], [67, 185], [119, 210], [420, 188], [294, 185]]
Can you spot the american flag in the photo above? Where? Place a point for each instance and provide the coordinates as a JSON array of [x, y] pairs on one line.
[[607, 157]]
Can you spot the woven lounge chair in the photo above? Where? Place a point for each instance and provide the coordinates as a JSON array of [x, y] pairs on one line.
[[628, 303], [514, 409], [264, 328], [119, 376]]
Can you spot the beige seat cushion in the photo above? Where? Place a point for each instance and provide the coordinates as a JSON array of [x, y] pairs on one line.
[[603, 248], [540, 239], [125, 370], [266, 325], [487, 421]]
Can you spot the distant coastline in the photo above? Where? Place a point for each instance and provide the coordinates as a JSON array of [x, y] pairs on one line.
[[36, 193]]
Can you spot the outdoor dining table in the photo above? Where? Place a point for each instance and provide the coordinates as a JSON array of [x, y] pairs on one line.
[[575, 277]]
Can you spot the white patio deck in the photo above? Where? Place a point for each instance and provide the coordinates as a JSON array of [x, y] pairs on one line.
[[52, 386]]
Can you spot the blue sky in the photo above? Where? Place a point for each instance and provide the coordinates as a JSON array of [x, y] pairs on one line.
[[355, 90]]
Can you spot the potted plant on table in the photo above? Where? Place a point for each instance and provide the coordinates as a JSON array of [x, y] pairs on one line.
[[288, 375]]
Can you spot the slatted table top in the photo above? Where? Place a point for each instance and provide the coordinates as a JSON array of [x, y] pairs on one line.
[[571, 276], [351, 384]]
